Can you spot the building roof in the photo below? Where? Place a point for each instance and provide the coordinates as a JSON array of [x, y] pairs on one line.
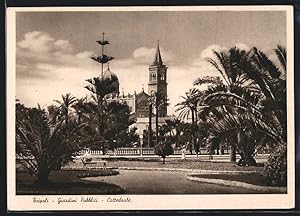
[[142, 93], [157, 57], [108, 74]]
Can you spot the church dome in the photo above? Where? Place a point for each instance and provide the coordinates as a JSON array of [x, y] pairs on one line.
[[108, 74]]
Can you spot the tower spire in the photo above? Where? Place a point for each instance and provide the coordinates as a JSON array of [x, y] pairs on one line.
[[157, 58]]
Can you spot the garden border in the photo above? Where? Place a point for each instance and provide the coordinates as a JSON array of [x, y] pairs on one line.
[[194, 171], [266, 189]]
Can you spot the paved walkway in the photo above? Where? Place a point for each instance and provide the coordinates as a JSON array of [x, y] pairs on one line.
[[165, 182]]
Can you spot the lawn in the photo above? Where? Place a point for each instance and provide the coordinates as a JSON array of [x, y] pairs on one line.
[[65, 182], [189, 163], [254, 178]]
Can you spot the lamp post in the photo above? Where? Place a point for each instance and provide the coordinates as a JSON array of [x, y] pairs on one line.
[[114, 146], [141, 141]]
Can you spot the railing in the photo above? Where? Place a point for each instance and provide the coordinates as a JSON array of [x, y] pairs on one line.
[[92, 152], [125, 151]]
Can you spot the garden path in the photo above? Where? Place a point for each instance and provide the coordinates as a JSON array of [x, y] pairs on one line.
[[164, 182]]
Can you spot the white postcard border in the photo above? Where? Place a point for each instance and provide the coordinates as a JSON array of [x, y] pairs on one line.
[[147, 202]]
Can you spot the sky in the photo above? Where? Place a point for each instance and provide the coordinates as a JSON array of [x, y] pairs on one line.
[[54, 48]]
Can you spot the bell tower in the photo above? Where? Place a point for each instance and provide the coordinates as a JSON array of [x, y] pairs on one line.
[[158, 80]]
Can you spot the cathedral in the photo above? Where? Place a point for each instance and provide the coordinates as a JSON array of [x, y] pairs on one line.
[[139, 102]]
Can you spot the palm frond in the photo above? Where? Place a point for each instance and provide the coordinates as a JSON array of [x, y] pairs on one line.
[[281, 55]]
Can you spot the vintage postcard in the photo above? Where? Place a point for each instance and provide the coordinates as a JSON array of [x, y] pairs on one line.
[[148, 108]]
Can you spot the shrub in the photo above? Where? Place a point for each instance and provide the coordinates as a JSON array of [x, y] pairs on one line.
[[96, 172], [163, 150], [275, 169]]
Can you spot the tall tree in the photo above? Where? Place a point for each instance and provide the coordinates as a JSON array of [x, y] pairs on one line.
[[160, 100], [226, 63], [118, 121], [81, 108], [150, 110], [174, 123], [65, 105], [271, 79], [54, 113], [245, 131], [187, 108], [100, 88], [250, 79]]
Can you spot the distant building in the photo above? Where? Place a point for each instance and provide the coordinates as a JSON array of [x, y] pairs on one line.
[[139, 102]]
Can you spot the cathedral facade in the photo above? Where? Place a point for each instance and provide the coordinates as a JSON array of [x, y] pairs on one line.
[[138, 103]]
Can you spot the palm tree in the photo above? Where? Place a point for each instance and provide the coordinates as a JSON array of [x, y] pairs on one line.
[[150, 107], [174, 123], [186, 136], [81, 108], [160, 100], [237, 105], [44, 146], [247, 132], [226, 63], [189, 107], [117, 124], [65, 105], [271, 80], [54, 113]]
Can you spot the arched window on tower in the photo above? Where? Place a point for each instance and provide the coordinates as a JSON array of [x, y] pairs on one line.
[[153, 76], [162, 77]]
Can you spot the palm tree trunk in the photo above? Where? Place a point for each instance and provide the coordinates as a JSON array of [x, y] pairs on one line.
[[193, 130], [43, 176], [67, 117], [100, 116], [102, 119], [196, 118], [176, 137], [150, 126], [193, 117], [232, 154], [79, 119], [233, 148]]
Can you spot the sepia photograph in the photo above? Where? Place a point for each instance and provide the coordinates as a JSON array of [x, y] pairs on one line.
[[150, 107]]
